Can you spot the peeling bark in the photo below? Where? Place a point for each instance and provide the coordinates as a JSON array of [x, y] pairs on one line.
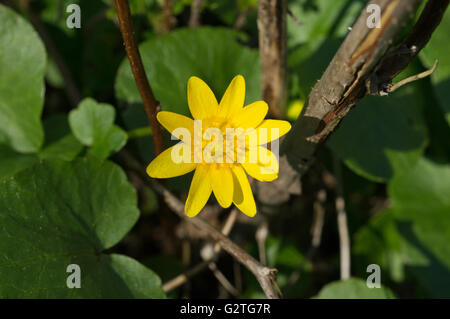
[[366, 54]]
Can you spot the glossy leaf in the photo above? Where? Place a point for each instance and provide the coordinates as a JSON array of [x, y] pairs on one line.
[[213, 54], [383, 136], [92, 124], [56, 214], [22, 68]]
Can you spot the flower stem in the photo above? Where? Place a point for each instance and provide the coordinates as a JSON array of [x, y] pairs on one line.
[[139, 132], [129, 40]]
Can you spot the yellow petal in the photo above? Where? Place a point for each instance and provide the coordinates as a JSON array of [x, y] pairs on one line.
[[234, 97], [199, 191], [264, 130], [242, 193], [266, 167], [222, 185], [172, 121], [163, 166], [251, 116], [201, 100]]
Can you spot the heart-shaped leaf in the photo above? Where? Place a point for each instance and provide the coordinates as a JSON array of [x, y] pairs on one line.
[[59, 213], [213, 54]]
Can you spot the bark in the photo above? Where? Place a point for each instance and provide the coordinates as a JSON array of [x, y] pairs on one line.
[[343, 82], [367, 59]]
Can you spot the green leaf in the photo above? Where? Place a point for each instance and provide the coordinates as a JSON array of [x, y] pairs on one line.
[[310, 60], [421, 206], [321, 18], [379, 242], [59, 144], [213, 54], [353, 288], [12, 162], [60, 213], [313, 44], [22, 65], [283, 254], [59, 140], [92, 124], [66, 148], [383, 136], [413, 234], [437, 48]]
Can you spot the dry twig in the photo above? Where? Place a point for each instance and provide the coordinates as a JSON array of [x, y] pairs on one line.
[[318, 221], [367, 61], [207, 253], [344, 237], [266, 276], [261, 237], [316, 233], [183, 278], [241, 18], [412, 78], [402, 55]]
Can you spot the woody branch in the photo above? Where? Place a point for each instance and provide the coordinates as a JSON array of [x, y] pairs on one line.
[[367, 56]]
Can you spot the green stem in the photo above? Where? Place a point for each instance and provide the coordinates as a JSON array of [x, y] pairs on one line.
[[139, 132]]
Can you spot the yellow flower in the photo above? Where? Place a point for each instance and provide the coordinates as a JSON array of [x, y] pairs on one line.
[[225, 176]]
